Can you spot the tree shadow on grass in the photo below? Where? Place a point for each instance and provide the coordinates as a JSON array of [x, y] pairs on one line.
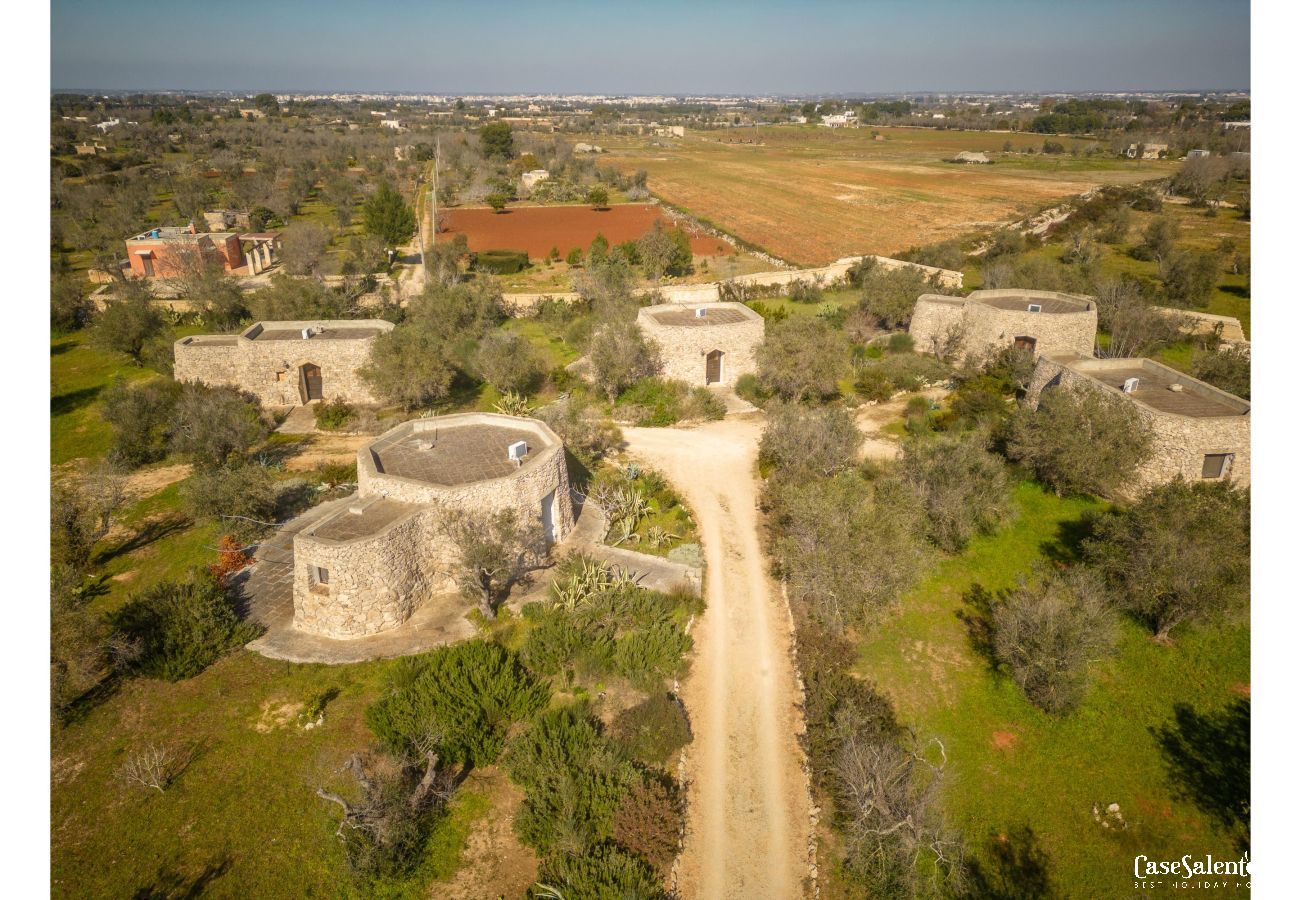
[[62, 404], [1207, 756], [1014, 867], [1237, 290], [62, 347], [150, 532], [170, 884], [1066, 547], [977, 616]]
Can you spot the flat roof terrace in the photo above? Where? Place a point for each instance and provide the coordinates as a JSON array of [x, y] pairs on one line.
[[363, 519], [686, 317], [330, 333], [455, 454], [1194, 398], [1050, 302]]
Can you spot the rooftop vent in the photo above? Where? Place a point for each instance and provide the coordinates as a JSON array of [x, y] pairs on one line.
[[1176, 388], [518, 450], [1035, 307], [699, 313], [1130, 385]]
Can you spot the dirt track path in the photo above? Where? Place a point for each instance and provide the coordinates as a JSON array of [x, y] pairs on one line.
[[747, 814]]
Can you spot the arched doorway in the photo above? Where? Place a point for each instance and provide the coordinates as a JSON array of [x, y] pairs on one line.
[[713, 367], [309, 383]]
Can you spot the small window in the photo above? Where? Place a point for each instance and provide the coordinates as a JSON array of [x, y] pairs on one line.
[[1035, 307], [319, 577], [279, 376], [1216, 465]]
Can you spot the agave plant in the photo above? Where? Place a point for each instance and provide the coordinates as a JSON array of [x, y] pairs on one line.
[[513, 404], [583, 579], [656, 537]]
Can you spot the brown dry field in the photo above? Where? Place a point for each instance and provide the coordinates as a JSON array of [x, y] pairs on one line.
[[814, 195], [539, 228]]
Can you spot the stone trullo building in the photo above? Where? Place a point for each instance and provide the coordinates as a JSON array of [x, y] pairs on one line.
[[285, 363], [982, 323], [1198, 431], [368, 566], [703, 344]]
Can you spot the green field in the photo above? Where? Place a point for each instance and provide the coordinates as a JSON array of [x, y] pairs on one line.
[[1011, 765]]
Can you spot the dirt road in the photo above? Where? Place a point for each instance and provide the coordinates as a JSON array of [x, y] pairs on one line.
[[747, 814]]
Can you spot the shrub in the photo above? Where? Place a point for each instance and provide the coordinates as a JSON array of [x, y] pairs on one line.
[[847, 546], [574, 258], [508, 362], [962, 487], [1079, 441], [1228, 369], [889, 296], [129, 323], [245, 492], [901, 342], [649, 820], [69, 307], [803, 442], [748, 387], [1048, 632], [606, 871], [647, 656], [215, 425], [179, 628], [141, 418], [655, 402], [654, 730], [802, 291], [334, 415], [803, 358], [458, 700], [703, 405], [620, 357], [574, 779], [501, 262], [409, 365], [560, 640], [1180, 554], [586, 434]]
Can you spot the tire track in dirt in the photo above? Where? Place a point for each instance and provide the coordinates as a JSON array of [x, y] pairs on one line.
[[747, 796]]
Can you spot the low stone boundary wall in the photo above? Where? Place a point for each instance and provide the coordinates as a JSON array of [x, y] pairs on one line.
[[710, 292]]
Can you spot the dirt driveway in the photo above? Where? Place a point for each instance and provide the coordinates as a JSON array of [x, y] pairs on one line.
[[748, 806]]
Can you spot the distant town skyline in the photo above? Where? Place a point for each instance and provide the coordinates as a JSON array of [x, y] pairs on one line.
[[674, 48]]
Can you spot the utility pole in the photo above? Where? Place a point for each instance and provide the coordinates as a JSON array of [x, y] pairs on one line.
[[433, 205]]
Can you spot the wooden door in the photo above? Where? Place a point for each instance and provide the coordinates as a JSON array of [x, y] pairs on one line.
[[713, 367], [311, 383]]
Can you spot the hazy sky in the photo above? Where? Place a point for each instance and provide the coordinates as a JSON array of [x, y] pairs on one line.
[[669, 47]]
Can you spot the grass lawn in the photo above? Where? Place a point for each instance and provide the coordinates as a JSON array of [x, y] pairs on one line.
[[244, 813], [1011, 765], [79, 373]]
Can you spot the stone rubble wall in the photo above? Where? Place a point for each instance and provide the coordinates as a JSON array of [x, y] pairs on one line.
[[987, 329], [710, 292], [269, 369], [377, 581], [683, 348], [1179, 443]]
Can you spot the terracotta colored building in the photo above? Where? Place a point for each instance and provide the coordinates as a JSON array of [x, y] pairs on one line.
[[168, 252]]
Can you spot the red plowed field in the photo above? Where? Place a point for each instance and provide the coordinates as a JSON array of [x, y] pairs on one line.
[[539, 228]]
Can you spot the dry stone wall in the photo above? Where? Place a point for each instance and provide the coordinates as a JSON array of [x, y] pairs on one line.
[[684, 349], [978, 329], [1179, 443], [269, 369], [376, 581]]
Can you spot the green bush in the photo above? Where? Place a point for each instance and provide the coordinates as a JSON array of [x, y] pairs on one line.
[[654, 730], [647, 656], [606, 872], [561, 640], [573, 777], [462, 699], [176, 629], [654, 402], [247, 492], [649, 821], [501, 262], [748, 387], [334, 415]]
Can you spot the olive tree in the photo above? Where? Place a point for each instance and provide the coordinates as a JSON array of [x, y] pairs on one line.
[[803, 358], [963, 488], [803, 442], [1047, 631], [491, 552], [621, 356], [1079, 441], [1180, 554]]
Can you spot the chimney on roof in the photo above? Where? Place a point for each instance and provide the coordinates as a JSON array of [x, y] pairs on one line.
[[1130, 385], [700, 312]]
